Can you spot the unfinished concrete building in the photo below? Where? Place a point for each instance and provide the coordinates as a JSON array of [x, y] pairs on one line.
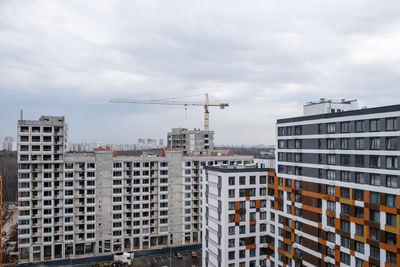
[[191, 141], [74, 205]]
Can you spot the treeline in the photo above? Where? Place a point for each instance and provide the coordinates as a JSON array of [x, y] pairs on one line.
[[8, 171]]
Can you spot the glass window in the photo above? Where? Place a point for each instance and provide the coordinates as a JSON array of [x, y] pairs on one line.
[[359, 229], [289, 143], [391, 181], [231, 230], [281, 131], [390, 200], [391, 219], [374, 125], [359, 212], [345, 127], [374, 252], [345, 209], [330, 221], [359, 262], [345, 192], [359, 126], [242, 254], [345, 258], [297, 144], [345, 242], [359, 247], [345, 176], [331, 237], [330, 143], [391, 143], [281, 144], [345, 225], [331, 205], [330, 190], [360, 143], [374, 234], [375, 216], [331, 175], [331, 159], [391, 162], [331, 127], [360, 160], [298, 130], [390, 257], [345, 143], [374, 161], [360, 177], [391, 124], [375, 179], [359, 195], [374, 198], [390, 238], [375, 143], [344, 159]]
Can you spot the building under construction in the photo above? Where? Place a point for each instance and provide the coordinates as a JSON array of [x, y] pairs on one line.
[[75, 205], [191, 141]]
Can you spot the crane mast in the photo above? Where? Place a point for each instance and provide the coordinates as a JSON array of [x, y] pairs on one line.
[[206, 105], [206, 115]]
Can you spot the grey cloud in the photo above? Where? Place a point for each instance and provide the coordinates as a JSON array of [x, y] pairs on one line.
[[265, 58]]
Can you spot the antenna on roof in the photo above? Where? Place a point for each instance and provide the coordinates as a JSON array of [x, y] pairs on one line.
[[22, 114]]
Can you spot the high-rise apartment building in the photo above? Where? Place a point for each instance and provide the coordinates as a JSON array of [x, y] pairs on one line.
[[41, 149], [235, 211], [337, 190], [74, 205], [191, 141]]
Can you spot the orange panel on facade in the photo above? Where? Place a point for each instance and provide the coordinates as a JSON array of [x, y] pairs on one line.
[[250, 246], [237, 205]]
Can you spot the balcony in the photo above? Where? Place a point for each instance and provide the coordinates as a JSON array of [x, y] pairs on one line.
[[37, 233]]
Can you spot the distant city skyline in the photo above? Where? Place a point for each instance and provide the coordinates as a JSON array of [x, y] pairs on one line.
[[8, 143]]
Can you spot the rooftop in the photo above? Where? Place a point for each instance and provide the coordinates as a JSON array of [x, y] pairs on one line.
[[363, 111], [230, 169]]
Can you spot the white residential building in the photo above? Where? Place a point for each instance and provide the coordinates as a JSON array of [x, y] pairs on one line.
[[235, 217]]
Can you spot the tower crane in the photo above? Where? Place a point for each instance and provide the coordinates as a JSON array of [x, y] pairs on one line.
[[206, 104]]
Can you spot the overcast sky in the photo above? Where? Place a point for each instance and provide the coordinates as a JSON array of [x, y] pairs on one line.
[[265, 58]]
